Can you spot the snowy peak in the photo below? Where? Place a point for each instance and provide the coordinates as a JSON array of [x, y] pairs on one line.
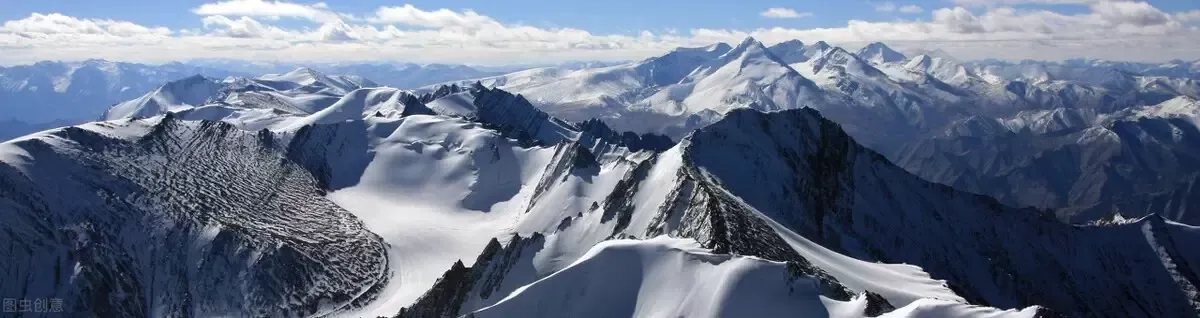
[[791, 51], [944, 69], [879, 53], [794, 51], [844, 61], [672, 67], [304, 78], [818, 48], [173, 96], [749, 48], [1181, 107]]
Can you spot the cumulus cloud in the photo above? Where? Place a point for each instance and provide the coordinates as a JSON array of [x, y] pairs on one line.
[[958, 20], [441, 18], [244, 27], [268, 9], [1133, 13], [885, 7], [784, 13], [54, 23], [970, 3], [1188, 16]]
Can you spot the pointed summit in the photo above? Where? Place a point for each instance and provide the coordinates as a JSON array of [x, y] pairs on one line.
[[173, 96], [307, 77], [748, 45], [789, 52], [818, 48], [301, 75], [879, 53], [749, 40], [750, 49]]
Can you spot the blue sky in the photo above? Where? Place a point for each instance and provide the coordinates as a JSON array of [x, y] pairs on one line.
[[490, 32]]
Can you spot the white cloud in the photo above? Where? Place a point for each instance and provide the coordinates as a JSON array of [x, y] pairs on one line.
[[441, 18], [911, 9], [268, 9], [885, 7], [992, 3], [1188, 16], [958, 20], [1133, 13], [784, 13], [54, 23], [244, 27]]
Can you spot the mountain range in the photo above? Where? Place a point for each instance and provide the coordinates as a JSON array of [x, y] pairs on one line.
[[1087, 138], [796, 179], [53, 94], [304, 194]]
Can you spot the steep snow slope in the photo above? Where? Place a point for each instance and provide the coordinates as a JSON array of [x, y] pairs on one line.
[[665, 277], [174, 96], [662, 277]]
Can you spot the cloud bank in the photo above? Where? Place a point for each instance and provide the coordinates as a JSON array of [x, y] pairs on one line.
[[252, 30]]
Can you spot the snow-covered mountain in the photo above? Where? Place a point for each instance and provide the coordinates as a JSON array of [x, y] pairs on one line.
[[408, 75], [76, 92], [470, 200], [901, 106], [1090, 165], [54, 94], [301, 91], [879, 53], [673, 93]]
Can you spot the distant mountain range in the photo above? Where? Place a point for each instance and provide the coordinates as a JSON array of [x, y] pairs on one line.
[[54, 94]]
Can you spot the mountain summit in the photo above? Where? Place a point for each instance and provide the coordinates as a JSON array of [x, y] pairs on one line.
[[879, 53]]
